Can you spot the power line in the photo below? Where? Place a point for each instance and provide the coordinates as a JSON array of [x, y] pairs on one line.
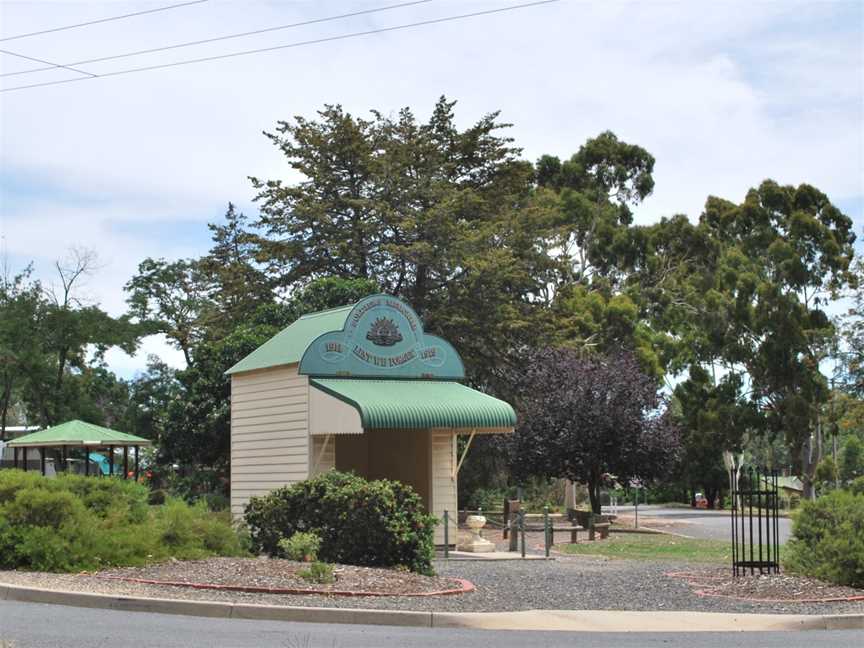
[[221, 38], [103, 20], [289, 45], [53, 66]]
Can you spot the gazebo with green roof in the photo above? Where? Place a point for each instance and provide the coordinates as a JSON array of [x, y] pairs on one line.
[[80, 435]]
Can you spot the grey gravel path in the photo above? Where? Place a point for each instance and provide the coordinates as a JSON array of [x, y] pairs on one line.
[[569, 583]]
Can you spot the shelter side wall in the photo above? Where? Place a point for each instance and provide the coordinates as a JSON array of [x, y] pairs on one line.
[[443, 471], [269, 432]]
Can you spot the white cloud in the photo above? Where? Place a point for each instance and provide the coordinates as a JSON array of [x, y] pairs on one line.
[[723, 95]]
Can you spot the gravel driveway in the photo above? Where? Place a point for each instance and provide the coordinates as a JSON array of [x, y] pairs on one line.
[[567, 583]]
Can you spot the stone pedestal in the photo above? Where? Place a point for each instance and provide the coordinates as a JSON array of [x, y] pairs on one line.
[[476, 543]]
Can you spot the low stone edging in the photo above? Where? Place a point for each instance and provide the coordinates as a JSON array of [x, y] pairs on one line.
[[474, 620], [466, 586]]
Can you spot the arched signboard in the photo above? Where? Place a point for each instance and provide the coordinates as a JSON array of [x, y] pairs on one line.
[[382, 338]]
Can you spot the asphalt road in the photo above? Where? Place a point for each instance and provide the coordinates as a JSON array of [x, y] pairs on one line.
[[697, 523], [31, 625]]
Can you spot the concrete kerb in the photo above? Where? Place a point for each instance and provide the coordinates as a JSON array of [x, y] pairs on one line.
[[556, 620]]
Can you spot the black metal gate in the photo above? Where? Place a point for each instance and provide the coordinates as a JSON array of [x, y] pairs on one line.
[[755, 521]]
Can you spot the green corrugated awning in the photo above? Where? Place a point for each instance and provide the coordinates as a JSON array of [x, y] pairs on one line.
[[78, 433], [288, 346], [415, 404]]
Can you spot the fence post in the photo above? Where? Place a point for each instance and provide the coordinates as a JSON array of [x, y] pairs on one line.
[[546, 529], [522, 529], [513, 524], [446, 535]]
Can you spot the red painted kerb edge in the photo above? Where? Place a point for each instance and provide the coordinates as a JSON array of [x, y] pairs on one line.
[[465, 586]]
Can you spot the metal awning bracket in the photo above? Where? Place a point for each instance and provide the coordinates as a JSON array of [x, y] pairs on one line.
[[321, 454], [464, 454]]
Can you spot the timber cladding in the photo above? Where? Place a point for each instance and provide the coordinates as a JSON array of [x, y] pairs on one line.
[[269, 432]]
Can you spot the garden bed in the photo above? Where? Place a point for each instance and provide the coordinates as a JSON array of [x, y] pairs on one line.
[[774, 588], [568, 583], [276, 576]]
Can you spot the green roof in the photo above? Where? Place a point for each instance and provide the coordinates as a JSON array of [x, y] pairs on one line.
[[287, 346], [419, 404], [78, 433]]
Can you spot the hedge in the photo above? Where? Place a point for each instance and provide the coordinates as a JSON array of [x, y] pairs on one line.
[[373, 523]]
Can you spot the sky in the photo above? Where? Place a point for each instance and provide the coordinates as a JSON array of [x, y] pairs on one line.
[[723, 94]]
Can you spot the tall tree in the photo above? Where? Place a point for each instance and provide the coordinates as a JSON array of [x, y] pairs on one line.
[[236, 285], [751, 302], [713, 416], [442, 217], [22, 307], [171, 298]]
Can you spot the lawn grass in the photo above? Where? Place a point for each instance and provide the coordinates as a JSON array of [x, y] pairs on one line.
[[635, 546]]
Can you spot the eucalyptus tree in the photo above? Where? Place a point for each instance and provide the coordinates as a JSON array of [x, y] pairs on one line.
[[749, 300]]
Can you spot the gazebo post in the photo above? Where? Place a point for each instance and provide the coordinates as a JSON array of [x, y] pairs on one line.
[[25, 458], [136, 463], [125, 462], [15, 457], [63, 457], [110, 461], [86, 462], [42, 460]]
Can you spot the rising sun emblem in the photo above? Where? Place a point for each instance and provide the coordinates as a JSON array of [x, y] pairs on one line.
[[384, 332]]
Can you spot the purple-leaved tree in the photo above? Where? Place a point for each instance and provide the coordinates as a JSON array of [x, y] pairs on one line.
[[582, 418]]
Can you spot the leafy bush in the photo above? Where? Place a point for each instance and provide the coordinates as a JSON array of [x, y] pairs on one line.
[[318, 572], [488, 499], [80, 523], [828, 539], [360, 522], [856, 486], [302, 546]]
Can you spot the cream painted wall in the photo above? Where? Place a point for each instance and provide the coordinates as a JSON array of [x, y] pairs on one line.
[[269, 432], [444, 491], [328, 414]]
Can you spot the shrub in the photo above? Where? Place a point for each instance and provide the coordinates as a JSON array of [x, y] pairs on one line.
[[318, 572], [828, 539], [856, 486], [488, 499], [302, 546], [852, 459], [374, 523], [82, 523], [124, 500]]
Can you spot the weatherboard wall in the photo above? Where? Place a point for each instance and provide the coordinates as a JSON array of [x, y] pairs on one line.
[[444, 489], [269, 432]]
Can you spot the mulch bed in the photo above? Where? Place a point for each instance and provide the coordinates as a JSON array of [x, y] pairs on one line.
[[276, 576], [773, 588]]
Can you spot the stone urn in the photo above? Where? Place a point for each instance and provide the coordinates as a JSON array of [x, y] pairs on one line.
[[475, 543]]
